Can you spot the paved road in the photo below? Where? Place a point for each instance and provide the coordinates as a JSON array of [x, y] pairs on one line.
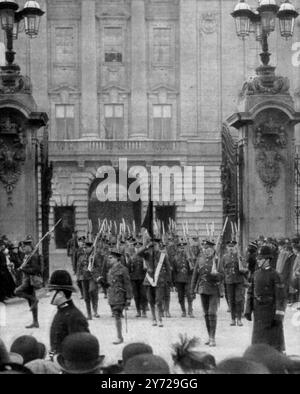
[[231, 341]]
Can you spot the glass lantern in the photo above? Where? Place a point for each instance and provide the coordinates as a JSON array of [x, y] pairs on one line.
[[7, 14], [287, 15], [268, 10], [242, 14]]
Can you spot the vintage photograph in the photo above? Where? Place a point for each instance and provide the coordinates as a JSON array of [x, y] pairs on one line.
[[149, 187]]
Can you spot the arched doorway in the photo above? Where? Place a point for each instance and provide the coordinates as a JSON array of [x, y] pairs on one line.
[[113, 210]]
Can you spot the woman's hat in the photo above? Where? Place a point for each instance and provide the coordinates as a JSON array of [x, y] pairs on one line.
[[80, 354]]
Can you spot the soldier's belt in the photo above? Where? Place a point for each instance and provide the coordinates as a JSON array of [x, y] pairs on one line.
[[264, 298]]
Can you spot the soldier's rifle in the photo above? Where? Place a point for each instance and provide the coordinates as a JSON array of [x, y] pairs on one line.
[[93, 254], [242, 269], [38, 244], [214, 269]]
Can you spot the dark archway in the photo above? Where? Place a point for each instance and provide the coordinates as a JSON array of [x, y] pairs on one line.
[[113, 210]]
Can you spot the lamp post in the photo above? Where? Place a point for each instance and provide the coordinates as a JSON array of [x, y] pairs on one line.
[[10, 21], [263, 22]]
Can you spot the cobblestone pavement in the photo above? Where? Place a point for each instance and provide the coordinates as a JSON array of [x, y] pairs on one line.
[[231, 341]]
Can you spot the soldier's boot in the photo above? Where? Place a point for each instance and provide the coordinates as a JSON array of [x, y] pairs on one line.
[[35, 322], [120, 338], [183, 310], [213, 327], [160, 322], [207, 322], [233, 315], [79, 284], [95, 307], [154, 321], [89, 310], [190, 309], [239, 314]]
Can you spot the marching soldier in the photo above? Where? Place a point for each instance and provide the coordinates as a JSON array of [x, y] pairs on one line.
[[158, 274], [119, 291], [72, 247], [234, 282], [182, 276], [137, 274], [266, 300], [206, 281], [29, 267], [88, 279], [80, 250]]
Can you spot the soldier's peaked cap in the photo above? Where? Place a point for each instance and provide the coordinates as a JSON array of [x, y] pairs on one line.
[[209, 243], [115, 253], [61, 280]]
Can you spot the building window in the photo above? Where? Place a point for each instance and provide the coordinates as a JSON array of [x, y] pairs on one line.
[[162, 121], [64, 116], [113, 45], [162, 46], [114, 121], [64, 45]]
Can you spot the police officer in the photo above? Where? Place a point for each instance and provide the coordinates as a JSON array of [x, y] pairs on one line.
[[234, 282], [206, 281], [119, 291], [182, 276], [137, 274], [68, 318], [266, 300]]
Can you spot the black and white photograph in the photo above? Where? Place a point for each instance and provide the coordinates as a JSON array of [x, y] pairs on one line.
[[149, 189]]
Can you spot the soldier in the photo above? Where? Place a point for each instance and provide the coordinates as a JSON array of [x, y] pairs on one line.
[[206, 281], [89, 279], [68, 319], [29, 267], [265, 298], [234, 282], [72, 247], [182, 276], [137, 274], [80, 250], [158, 274], [119, 290]]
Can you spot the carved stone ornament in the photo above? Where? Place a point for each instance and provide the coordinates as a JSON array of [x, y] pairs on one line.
[[63, 182], [12, 156], [266, 82], [208, 22], [13, 82], [269, 139], [9, 127]]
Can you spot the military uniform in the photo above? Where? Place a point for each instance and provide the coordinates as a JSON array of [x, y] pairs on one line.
[[72, 247], [182, 276], [88, 281], [235, 285], [137, 274], [266, 299], [26, 290], [208, 286], [156, 290], [119, 293]]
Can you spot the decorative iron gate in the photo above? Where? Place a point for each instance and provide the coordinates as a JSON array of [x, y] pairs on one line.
[[231, 190], [297, 192]]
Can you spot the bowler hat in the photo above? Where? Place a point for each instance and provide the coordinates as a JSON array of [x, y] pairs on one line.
[[135, 349], [29, 348], [61, 280], [80, 354], [146, 364]]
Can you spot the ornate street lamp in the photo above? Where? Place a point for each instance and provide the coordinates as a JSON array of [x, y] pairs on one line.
[[264, 21], [10, 20]]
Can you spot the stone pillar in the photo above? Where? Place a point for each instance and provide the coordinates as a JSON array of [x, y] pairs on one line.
[[89, 100], [188, 67], [139, 127], [266, 121]]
